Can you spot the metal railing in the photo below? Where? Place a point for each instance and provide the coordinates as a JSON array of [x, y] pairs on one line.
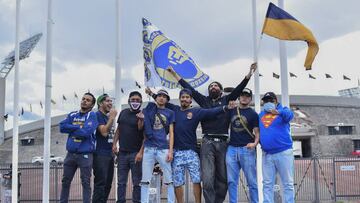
[[315, 180]]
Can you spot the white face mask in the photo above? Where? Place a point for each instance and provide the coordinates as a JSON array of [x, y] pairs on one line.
[[135, 105]]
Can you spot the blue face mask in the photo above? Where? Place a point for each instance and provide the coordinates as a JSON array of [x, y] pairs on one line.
[[269, 106]]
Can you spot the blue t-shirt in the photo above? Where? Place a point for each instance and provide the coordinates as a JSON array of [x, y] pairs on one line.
[[155, 131], [103, 144], [187, 122], [239, 137]]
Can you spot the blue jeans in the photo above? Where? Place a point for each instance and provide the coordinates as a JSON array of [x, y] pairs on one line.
[[152, 154], [282, 163], [238, 158]]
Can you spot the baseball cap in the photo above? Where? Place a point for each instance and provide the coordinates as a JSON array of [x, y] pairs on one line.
[[246, 91], [269, 95]]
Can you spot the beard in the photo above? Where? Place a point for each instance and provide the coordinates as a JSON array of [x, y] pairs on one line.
[[185, 104], [214, 94]]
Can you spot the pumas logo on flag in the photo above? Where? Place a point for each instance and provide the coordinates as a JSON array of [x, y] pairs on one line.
[[267, 119], [160, 53]]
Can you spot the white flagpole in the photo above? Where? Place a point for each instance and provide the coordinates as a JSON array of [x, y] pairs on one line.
[[47, 123], [284, 69], [257, 101], [14, 186], [117, 57], [117, 70], [2, 109]]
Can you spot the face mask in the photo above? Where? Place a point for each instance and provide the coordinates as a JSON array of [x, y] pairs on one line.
[[135, 105], [269, 106]]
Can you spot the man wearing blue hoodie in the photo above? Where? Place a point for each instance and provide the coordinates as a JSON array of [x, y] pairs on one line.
[[80, 127], [276, 142]]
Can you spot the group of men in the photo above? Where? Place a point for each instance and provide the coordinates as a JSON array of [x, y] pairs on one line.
[[166, 133]]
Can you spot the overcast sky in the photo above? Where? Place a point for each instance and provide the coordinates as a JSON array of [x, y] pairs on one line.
[[216, 34]]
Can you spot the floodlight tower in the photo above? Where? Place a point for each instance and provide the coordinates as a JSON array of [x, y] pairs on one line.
[[26, 47]]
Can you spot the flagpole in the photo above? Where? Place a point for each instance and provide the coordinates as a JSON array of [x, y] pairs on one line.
[[15, 146], [117, 57], [117, 69], [47, 123], [283, 68], [256, 48], [2, 109]]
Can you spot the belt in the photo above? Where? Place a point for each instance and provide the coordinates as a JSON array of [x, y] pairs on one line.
[[216, 139]]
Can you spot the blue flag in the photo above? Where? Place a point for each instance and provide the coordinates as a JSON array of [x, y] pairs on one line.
[[160, 53]]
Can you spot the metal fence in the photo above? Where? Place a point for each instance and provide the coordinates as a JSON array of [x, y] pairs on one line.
[[316, 180]]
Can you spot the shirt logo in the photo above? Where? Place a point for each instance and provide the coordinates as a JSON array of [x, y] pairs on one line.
[[267, 119], [236, 124], [157, 123], [189, 115]]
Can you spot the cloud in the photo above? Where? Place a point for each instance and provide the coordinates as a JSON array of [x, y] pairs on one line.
[[217, 35]]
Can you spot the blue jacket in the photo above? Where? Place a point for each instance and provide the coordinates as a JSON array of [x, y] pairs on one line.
[[81, 129], [275, 130]]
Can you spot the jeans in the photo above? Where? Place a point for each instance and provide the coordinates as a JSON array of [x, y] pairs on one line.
[[283, 164], [238, 158], [126, 162], [152, 154], [213, 170], [103, 168], [71, 163]]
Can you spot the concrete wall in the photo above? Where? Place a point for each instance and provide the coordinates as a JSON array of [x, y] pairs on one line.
[[26, 153], [324, 144]]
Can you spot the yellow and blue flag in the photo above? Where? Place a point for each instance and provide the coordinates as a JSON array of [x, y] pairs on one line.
[[280, 24], [159, 53]]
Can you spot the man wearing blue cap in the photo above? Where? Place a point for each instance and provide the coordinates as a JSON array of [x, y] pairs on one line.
[[215, 130], [187, 119], [276, 143]]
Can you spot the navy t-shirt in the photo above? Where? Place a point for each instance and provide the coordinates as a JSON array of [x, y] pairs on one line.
[[103, 144], [155, 132], [131, 137], [187, 122], [239, 136]]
